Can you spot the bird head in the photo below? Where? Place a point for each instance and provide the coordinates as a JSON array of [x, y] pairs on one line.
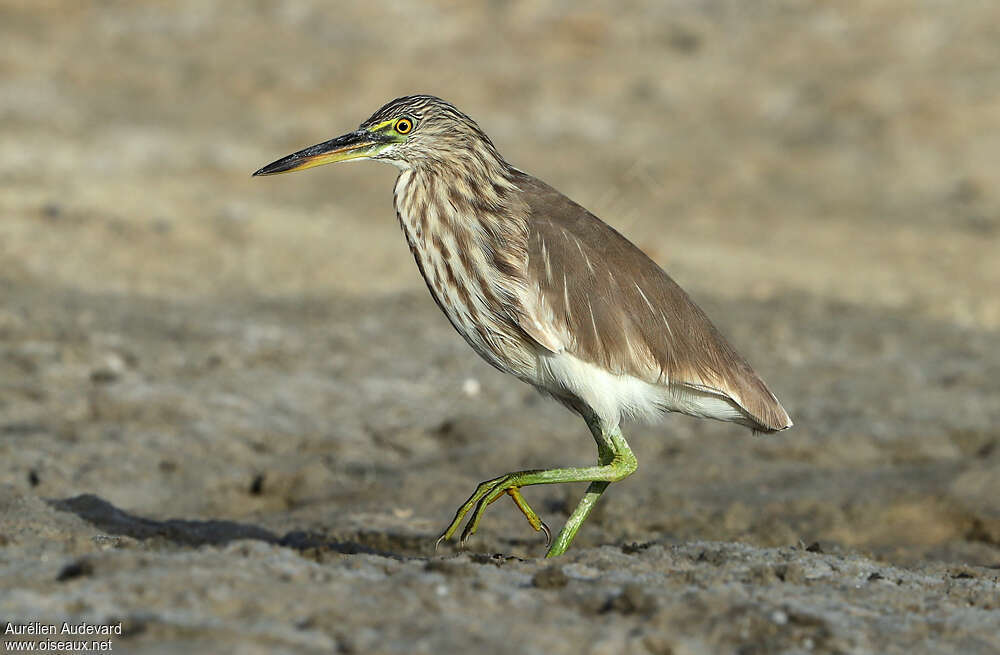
[[408, 132]]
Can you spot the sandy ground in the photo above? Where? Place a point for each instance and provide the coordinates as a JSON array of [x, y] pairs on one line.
[[232, 420]]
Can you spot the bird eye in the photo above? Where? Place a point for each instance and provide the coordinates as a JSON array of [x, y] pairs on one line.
[[403, 125]]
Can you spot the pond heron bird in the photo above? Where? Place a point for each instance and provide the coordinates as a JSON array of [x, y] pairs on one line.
[[545, 291]]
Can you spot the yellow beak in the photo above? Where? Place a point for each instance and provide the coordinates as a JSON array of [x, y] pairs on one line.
[[355, 145]]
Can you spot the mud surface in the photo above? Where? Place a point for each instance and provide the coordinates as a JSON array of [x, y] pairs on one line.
[[232, 420]]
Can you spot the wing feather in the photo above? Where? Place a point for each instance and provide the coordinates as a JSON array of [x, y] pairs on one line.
[[633, 319]]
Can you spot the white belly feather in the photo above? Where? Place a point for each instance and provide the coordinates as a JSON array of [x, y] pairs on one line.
[[614, 397]]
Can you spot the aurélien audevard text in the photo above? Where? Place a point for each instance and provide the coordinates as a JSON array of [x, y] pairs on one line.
[[33, 628]]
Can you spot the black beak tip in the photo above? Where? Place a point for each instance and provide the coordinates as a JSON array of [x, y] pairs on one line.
[[279, 166]]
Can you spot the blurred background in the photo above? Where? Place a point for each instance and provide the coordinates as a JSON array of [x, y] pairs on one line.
[[182, 340]]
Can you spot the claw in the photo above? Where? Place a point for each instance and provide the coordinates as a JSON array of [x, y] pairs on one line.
[[548, 535], [466, 533]]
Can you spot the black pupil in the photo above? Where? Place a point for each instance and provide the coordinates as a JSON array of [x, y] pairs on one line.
[[404, 126]]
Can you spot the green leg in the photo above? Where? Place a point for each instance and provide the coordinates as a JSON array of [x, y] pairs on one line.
[[576, 519], [605, 455], [616, 462]]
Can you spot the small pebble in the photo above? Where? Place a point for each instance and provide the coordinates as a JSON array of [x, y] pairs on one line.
[[51, 210], [75, 569], [471, 387]]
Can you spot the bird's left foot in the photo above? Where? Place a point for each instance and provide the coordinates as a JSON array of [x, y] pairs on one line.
[[616, 462], [485, 494]]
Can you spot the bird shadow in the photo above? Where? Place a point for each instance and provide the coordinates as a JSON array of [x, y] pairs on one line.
[[180, 532]]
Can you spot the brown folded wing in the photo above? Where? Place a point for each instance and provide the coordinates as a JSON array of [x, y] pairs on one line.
[[601, 299]]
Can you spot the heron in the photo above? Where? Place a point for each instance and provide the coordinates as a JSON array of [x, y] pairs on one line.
[[545, 291]]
